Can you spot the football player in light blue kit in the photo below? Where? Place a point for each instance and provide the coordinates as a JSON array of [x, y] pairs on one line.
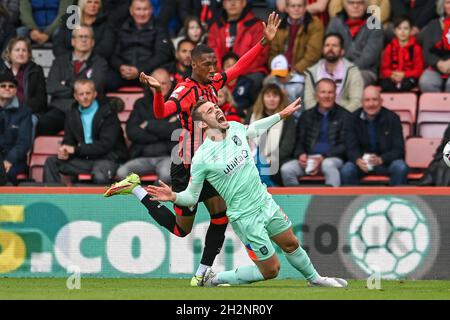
[[225, 160]]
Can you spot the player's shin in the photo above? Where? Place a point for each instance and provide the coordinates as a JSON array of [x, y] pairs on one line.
[[162, 215], [299, 259], [240, 275], [215, 236]]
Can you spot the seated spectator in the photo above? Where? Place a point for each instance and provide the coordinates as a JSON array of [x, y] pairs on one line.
[[151, 138], [15, 131], [238, 30], [82, 63], [292, 83], [402, 62], [117, 11], [7, 30], [240, 88], [207, 11], [226, 103], [320, 139], [91, 15], [336, 6], [141, 47], [93, 140], [346, 76], [363, 44], [31, 88], [299, 37], [436, 47], [12, 7], [41, 19], [275, 147], [374, 142], [181, 68], [193, 31], [318, 8], [437, 173], [421, 12]]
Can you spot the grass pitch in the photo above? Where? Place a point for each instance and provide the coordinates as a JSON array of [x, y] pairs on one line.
[[174, 289]]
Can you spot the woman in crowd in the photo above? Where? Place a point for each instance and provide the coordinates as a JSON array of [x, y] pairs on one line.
[[275, 147]]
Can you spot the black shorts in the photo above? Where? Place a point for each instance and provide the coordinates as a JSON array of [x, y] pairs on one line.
[[180, 176]]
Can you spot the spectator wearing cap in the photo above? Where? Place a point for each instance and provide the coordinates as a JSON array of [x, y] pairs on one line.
[[346, 76], [15, 131], [299, 37], [291, 83], [363, 39]]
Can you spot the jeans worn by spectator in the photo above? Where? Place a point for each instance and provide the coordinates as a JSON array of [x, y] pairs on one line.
[[142, 166], [431, 81], [291, 171], [397, 171]]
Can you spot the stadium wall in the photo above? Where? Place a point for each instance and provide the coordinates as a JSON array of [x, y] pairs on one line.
[[348, 232]]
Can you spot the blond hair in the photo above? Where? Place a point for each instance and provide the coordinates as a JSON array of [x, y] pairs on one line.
[[6, 55]]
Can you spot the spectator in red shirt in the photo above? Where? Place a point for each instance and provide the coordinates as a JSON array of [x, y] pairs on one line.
[[402, 63], [238, 30]]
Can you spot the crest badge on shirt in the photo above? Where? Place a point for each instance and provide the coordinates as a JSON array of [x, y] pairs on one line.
[[237, 141], [264, 251]]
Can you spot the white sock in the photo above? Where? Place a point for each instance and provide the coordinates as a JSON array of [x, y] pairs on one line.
[[201, 270], [139, 192]]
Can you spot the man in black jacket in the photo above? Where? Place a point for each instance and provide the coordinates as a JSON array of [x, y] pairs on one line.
[[141, 46], [151, 138], [15, 131], [320, 139], [82, 63], [93, 140], [374, 142]]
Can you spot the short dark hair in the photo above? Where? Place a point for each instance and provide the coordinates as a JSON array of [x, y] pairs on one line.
[[325, 80], [229, 55], [335, 35], [185, 40], [199, 50], [195, 114], [400, 19]]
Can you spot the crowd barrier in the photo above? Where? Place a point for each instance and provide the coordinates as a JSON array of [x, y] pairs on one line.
[[403, 233]]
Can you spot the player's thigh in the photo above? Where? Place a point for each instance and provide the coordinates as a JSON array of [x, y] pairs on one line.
[[185, 222], [212, 200], [252, 232], [287, 241]]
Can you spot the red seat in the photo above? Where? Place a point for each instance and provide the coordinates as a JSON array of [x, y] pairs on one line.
[[419, 153], [128, 98], [43, 147], [134, 89], [405, 106], [434, 114], [123, 116]]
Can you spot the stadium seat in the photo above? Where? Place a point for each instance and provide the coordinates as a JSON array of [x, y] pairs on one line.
[[123, 116], [43, 57], [130, 89], [128, 98], [43, 147], [405, 106], [419, 153], [434, 114]]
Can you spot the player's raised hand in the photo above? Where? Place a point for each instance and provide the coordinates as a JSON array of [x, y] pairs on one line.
[[152, 82], [270, 30], [163, 193], [290, 109]]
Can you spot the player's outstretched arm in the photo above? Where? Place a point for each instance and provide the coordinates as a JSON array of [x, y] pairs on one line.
[[161, 109], [187, 198], [270, 30], [259, 127]]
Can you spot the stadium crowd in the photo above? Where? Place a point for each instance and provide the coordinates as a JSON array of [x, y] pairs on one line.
[[340, 56]]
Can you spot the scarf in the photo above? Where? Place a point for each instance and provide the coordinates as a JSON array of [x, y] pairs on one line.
[[355, 26]]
